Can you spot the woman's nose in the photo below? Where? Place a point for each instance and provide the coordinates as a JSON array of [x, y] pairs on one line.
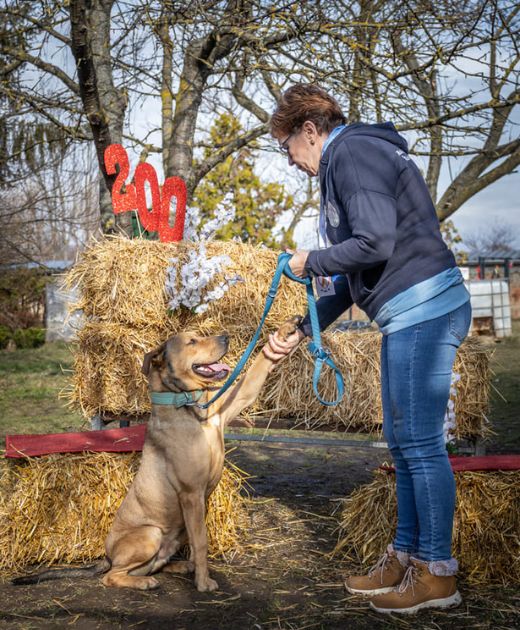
[[290, 160]]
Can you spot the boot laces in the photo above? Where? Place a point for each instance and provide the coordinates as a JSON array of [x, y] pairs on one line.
[[380, 565], [409, 580]]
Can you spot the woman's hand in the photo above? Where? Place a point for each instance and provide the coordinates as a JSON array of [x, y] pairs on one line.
[[277, 348], [297, 262]]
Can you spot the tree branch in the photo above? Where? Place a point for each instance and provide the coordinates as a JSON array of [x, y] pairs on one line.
[[246, 102], [219, 156], [40, 24], [468, 183], [25, 57]]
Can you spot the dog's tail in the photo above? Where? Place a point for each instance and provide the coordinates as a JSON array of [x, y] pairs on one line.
[[58, 574]]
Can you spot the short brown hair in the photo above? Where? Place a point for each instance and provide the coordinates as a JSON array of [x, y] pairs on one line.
[[303, 102]]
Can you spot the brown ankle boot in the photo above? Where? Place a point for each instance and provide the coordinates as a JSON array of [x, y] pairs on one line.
[[387, 573], [419, 589]]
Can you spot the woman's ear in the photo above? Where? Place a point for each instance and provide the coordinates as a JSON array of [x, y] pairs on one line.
[[310, 130], [154, 357]]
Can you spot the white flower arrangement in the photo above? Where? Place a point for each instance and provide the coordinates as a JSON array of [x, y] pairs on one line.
[[194, 276], [449, 417]]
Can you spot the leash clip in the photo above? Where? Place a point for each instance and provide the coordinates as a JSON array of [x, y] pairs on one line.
[[319, 352]]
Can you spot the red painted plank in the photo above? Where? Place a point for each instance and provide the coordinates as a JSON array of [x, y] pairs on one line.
[[110, 440], [132, 439], [480, 463]]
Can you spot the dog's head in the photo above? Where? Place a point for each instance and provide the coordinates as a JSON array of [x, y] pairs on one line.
[[186, 361]]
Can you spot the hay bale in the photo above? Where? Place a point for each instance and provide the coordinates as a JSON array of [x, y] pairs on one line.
[[486, 525], [357, 356], [59, 508], [121, 284], [107, 375], [289, 394], [122, 281]]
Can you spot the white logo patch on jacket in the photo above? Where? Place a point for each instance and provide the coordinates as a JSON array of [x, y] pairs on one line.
[[332, 215], [404, 155]]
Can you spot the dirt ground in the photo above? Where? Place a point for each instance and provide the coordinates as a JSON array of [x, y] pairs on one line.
[[285, 581]]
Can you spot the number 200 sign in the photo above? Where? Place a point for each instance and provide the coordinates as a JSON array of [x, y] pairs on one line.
[[134, 197]]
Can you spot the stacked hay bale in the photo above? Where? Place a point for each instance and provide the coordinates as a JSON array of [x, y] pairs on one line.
[[357, 356], [121, 283], [59, 508], [122, 288], [486, 524]]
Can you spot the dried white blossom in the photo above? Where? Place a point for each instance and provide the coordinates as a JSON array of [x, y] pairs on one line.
[[218, 292], [449, 417], [224, 214], [191, 224], [187, 284]]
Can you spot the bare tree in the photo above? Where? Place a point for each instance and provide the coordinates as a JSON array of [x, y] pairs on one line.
[[52, 213], [447, 73], [499, 239]]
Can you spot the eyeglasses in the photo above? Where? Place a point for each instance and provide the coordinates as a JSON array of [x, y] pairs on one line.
[[283, 146]]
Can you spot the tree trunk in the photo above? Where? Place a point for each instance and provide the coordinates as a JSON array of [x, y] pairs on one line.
[[104, 104], [187, 102], [427, 87], [199, 61], [166, 89]]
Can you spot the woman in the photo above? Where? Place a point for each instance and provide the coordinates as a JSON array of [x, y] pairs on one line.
[[388, 257]]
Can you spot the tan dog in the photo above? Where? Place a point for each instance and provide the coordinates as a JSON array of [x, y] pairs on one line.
[[183, 457], [182, 461]]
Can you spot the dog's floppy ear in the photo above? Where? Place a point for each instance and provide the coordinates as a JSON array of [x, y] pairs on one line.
[[154, 357]]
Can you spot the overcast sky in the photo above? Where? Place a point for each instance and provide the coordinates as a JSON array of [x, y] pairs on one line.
[[497, 204]]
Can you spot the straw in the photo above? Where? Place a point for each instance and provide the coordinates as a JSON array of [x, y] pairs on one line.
[[486, 538], [59, 508], [121, 286]]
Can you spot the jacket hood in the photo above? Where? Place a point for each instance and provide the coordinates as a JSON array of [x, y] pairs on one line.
[[383, 131]]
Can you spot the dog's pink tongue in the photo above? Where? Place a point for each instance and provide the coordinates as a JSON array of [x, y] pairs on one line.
[[219, 367]]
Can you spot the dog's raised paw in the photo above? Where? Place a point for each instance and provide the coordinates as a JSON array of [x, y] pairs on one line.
[[289, 326]]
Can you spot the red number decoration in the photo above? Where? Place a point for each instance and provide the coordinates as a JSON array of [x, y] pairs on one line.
[[149, 219], [115, 154], [158, 218], [173, 187]]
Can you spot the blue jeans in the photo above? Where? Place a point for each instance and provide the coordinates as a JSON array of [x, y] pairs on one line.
[[416, 369]]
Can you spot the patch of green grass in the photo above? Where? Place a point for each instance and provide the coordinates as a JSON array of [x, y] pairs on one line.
[[30, 384], [504, 411], [51, 358]]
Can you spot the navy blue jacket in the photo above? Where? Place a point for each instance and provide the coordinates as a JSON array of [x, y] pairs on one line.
[[381, 222]]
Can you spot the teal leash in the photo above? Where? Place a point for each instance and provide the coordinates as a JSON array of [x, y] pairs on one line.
[[320, 354]]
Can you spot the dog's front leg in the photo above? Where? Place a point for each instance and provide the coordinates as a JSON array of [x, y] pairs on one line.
[[194, 509], [247, 390]]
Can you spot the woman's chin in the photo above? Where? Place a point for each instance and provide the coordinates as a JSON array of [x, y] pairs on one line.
[[308, 171]]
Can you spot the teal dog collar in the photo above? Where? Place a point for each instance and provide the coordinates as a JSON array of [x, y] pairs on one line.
[[176, 399]]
